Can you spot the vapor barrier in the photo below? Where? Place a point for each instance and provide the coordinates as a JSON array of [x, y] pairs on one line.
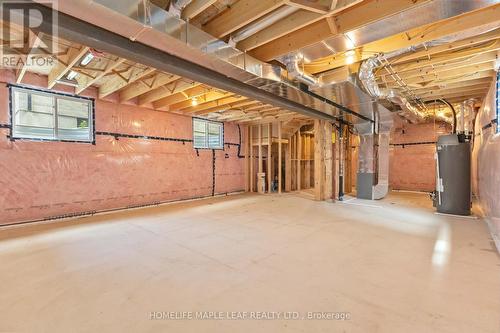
[[140, 157], [486, 163]]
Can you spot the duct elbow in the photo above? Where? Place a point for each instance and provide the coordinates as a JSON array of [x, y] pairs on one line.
[[296, 73]]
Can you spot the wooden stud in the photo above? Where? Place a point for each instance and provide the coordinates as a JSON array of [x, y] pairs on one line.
[[299, 159], [319, 159], [279, 124], [252, 160], [247, 160], [269, 151], [328, 158], [260, 147]]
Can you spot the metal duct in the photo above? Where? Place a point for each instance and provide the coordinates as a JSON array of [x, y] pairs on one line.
[[262, 23], [176, 6], [373, 155], [291, 62], [222, 65], [229, 69], [368, 79]]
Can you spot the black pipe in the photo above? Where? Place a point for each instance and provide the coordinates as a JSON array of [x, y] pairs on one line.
[[341, 163], [78, 31], [305, 89], [445, 102]]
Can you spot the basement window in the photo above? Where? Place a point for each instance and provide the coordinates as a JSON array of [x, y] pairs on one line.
[[43, 115], [208, 134]]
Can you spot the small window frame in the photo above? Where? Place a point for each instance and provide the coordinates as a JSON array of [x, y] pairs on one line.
[[207, 122], [56, 96]]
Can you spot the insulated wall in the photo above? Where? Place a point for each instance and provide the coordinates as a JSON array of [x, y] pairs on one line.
[[486, 163], [43, 180]]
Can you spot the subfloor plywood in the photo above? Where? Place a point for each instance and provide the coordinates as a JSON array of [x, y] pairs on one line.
[[393, 265]]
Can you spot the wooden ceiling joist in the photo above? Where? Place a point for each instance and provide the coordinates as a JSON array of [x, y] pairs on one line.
[[167, 90], [473, 42], [117, 82], [203, 98], [218, 105], [66, 62], [195, 7], [411, 37], [106, 67], [141, 87], [356, 16], [240, 14], [433, 78], [477, 60]]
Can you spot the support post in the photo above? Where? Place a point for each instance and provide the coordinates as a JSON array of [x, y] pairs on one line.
[[247, 165], [269, 151], [250, 145], [279, 157], [328, 128], [299, 159], [319, 160], [260, 148]]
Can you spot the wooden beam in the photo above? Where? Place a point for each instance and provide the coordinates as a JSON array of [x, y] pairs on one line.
[[208, 96], [464, 77], [295, 21], [299, 159], [462, 95], [411, 37], [20, 72], [66, 63], [240, 14], [449, 47], [469, 55], [246, 151], [312, 6], [288, 166], [328, 160], [209, 107], [269, 149], [170, 89], [180, 97], [143, 86], [444, 67], [260, 151], [107, 67], [438, 92], [318, 31], [465, 83], [118, 82], [426, 80], [195, 7], [319, 160]]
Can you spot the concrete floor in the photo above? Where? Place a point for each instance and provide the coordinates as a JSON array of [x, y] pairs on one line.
[[393, 265]]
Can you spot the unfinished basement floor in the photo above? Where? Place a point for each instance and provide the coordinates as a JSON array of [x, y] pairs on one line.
[[393, 265]]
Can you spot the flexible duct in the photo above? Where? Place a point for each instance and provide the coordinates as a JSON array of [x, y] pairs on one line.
[[368, 80], [291, 62], [176, 6]]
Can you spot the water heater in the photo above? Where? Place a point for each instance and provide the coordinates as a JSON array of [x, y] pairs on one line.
[[453, 175]]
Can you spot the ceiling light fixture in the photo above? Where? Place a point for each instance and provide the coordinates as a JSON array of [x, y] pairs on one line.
[[194, 101], [87, 59], [71, 75]]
